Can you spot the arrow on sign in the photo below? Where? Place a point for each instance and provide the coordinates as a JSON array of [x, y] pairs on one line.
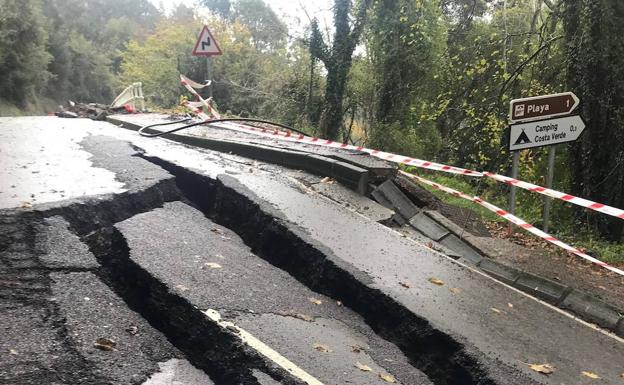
[[544, 106], [545, 132], [206, 44]]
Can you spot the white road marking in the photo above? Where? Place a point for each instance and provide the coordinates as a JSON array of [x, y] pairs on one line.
[[264, 349]]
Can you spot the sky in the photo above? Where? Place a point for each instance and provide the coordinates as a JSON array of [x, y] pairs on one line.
[[292, 12]]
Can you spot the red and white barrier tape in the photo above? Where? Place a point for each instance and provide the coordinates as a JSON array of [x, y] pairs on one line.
[[609, 210], [400, 159], [187, 84], [515, 220]]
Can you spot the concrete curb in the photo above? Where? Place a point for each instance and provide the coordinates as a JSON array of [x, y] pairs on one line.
[[354, 177], [586, 306]]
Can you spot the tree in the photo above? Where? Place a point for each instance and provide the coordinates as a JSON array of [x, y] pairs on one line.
[[267, 30], [405, 41], [337, 60], [595, 59], [23, 55]]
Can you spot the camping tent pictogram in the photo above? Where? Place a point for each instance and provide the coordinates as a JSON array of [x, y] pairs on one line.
[[522, 139]]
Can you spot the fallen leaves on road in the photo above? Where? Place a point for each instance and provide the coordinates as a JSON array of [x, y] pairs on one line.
[[495, 310], [542, 368], [405, 284], [104, 344], [328, 180], [384, 376], [13, 351], [590, 375], [133, 329], [216, 230], [357, 349], [315, 301], [339, 303], [387, 378], [26, 205], [212, 265], [455, 290], [510, 305], [322, 348], [436, 281]]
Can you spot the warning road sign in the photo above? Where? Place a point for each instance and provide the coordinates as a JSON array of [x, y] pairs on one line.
[[545, 132], [206, 44]]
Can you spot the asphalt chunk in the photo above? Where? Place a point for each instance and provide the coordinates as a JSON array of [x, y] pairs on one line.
[[177, 244], [96, 317]]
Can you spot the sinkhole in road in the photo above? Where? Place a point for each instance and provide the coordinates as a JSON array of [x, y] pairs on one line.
[[442, 358]]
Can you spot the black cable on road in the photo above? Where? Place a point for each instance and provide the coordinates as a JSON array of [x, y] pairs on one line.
[[142, 129]]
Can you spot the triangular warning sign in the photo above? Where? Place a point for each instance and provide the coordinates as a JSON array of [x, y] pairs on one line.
[[522, 139], [206, 44]]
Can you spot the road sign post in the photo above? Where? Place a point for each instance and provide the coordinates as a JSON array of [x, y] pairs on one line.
[[549, 181], [542, 121], [207, 45]]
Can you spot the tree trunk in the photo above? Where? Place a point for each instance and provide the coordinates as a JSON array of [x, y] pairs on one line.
[[595, 73], [331, 118]]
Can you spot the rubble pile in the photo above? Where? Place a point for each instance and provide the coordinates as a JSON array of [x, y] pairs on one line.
[[94, 111]]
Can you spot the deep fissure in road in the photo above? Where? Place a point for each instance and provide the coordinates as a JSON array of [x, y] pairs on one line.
[[219, 352], [443, 359]]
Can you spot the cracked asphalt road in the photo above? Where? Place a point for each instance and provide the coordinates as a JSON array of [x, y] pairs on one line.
[[86, 212]]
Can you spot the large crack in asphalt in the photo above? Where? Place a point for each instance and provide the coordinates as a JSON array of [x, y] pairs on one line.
[[225, 201], [206, 345], [209, 347]]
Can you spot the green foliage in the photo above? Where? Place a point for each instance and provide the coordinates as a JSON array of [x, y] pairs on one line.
[[425, 78], [596, 73], [23, 57], [404, 39], [349, 23], [154, 62]]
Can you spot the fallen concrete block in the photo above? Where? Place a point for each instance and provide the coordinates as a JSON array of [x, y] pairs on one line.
[[389, 192], [542, 288], [591, 309], [379, 170], [462, 248], [428, 226], [499, 271]]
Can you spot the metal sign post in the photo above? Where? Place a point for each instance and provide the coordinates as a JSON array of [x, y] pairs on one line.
[[549, 181], [542, 121], [209, 76]]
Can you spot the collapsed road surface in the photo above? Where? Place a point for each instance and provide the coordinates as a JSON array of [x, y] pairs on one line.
[[125, 259]]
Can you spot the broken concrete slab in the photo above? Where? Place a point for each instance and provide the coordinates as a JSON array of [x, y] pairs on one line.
[[457, 244], [499, 271], [540, 287], [428, 226], [379, 170], [591, 309], [472, 240], [388, 193]]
